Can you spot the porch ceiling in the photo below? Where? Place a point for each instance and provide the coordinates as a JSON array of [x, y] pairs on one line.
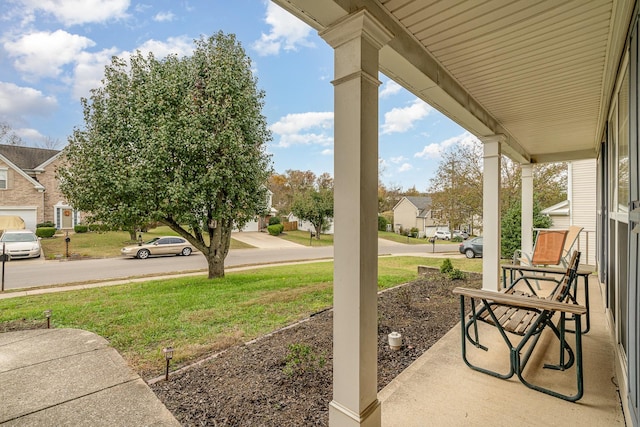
[[540, 73]]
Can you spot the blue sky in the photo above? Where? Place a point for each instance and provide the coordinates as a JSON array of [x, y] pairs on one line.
[[52, 52]]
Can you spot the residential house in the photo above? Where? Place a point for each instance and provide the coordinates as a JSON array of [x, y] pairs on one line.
[[541, 81], [261, 222], [580, 207], [305, 225], [29, 187], [415, 212]]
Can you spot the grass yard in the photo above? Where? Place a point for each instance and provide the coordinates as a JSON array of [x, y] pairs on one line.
[[390, 235], [195, 315], [105, 245], [302, 238]]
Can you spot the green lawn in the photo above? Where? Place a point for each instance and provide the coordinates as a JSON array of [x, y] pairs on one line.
[[107, 244], [389, 235], [196, 315], [302, 238]]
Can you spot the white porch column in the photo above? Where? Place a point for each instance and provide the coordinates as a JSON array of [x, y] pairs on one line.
[[527, 208], [491, 212], [356, 40]]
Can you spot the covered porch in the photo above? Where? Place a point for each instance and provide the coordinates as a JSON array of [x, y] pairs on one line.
[[542, 81], [440, 390]]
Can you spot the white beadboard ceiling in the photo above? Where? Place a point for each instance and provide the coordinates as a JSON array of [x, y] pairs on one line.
[[540, 72]]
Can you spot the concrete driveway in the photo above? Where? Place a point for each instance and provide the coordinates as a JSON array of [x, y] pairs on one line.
[[263, 240]]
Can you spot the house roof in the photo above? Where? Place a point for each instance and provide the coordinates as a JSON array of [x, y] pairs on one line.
[[27, 158], [559, 209], [540, 73], [422, 203]]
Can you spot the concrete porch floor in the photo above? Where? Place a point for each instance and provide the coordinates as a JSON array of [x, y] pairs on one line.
[[440, 390]]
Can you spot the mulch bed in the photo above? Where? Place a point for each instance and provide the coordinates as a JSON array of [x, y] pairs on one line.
[[285, 379]]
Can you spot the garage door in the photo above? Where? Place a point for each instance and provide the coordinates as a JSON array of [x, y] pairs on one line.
[[28, 214]]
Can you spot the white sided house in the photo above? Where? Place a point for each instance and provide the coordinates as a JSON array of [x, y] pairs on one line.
[[415, 211], [580, 207], [259, 223], [308, 226]]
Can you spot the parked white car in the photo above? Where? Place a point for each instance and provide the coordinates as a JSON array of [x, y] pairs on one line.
[[20, 244], [443, 235]]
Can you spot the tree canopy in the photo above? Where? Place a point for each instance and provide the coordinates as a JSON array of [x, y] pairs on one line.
[[456, 188], [177, 140], [315, 203]]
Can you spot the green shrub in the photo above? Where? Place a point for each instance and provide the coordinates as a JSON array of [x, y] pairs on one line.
[[100, 228], [457, 274], [45, 232], [446, 266], [275, 229], [414, 232], [274, 220], [382, 223], [45, 224], [81, 228], [456, 239], [301, 359]]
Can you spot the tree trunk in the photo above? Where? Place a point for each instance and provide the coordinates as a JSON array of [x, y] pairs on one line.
[[132, 234], [218, 248], [216, 266]]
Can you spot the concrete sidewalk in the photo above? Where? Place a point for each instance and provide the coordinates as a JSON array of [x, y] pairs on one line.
[[263, 240], [74, 378]]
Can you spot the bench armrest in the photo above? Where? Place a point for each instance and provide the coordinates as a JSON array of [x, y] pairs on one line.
[[520, 301]]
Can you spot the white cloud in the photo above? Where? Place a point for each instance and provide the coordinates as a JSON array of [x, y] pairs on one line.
[[287, 32], [164, 17], [327, 152], [435, 150], [389, 88], [398, 159], [405, 167], [72, 12], [43, 54], [89, 69], [180, 46], [402, 119], [304, 129], [29, 134], [17, 102]]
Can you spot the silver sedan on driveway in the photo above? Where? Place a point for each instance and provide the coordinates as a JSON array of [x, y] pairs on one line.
[[166, 245]]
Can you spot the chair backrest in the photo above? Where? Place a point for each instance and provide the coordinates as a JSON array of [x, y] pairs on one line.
[[572, 237], [549, 246], [561, 292]]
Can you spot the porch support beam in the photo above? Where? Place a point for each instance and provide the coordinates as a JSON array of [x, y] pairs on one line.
[[491, 184], [527, 208], [356, 40]]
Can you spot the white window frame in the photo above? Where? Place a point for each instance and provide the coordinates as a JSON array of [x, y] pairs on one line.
[[4, 172]]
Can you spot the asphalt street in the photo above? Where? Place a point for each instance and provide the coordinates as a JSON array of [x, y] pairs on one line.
[[22, 274]]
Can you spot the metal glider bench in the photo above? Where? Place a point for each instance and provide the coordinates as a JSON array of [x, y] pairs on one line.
[[527, 315]]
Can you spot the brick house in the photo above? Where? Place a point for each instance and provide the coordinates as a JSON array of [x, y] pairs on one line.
[[29, 188]]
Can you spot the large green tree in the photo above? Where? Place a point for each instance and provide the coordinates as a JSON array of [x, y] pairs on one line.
[[178, 140], [456, 188], [287, 186], [315, 203], [511, 227]]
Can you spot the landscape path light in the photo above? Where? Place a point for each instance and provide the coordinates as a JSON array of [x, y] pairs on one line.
[[168, 355], [47, 314]]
